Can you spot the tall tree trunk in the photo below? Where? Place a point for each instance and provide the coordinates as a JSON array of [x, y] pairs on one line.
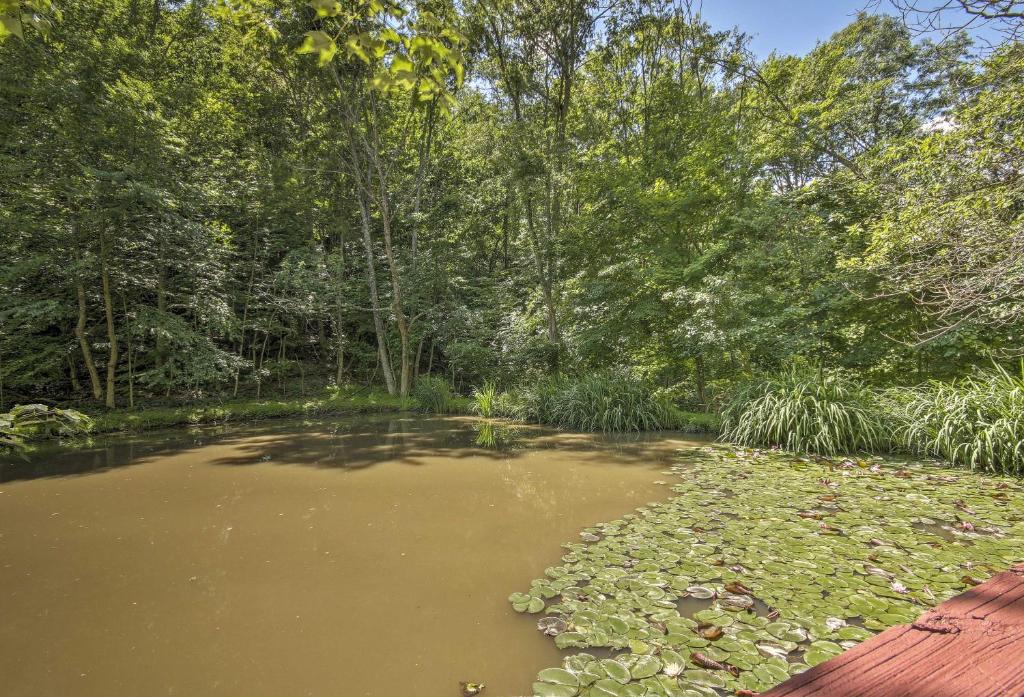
[[419, 358], [76, 386], [339, 332], [541, 259], [131, 367], [396, 290], [371, 280], [83, 343], [422, 168], [108, 306], [161, 305], [245, 313], [701, 381]]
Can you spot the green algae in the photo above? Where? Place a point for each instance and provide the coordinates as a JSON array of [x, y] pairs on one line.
[[791, 561]]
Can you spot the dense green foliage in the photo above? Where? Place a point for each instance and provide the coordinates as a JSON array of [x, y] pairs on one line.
[[434, 394], [606, 402], [976, 422], [485, 399], [215, 201], [807, 412]]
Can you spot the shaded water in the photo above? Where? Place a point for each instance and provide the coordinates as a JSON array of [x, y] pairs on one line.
[[368, 557]]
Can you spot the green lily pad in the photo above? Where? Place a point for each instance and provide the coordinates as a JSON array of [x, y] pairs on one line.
[[615, 670], [558, 676], [629, 588], [546, 689]]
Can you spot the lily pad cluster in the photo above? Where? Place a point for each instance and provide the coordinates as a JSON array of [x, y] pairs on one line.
[[762, 565]]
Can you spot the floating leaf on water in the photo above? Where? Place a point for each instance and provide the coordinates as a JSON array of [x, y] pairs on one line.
[[547, 689], [710, 632], [645, 667], [834, 623], [615, 670], [469, 689], [608, 688], [735, 603], [700, 592], [708, 663], [558, 676], [737, 588], [644, 563], [568, 640]]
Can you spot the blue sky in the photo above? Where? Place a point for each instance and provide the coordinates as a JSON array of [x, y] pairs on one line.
[[785, 26]]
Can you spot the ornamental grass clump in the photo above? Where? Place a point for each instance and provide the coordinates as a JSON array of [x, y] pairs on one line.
[[977, 422], [433, 395], [484, 399], [609, 403], [606, 402], [825, 413]]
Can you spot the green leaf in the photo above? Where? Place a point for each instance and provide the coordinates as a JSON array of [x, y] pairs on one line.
[[559, 676]]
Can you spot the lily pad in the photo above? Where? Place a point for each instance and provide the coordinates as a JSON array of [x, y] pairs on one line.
[[653, 575]]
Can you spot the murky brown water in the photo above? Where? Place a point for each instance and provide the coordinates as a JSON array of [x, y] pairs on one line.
[[348, 558]]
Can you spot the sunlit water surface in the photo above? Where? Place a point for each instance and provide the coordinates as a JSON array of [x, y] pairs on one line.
[[358, 557]]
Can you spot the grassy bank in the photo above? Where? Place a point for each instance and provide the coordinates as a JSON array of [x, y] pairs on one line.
[[976, 422], [335, 403], [606, 402]]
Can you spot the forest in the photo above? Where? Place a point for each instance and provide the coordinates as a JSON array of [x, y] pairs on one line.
[[504, 269], [222, 200]]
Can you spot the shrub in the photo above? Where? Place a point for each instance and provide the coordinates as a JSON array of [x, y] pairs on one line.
[[696, 421], [484, 399], [606, 402], [433, 394], [821, 413], [977, 422]]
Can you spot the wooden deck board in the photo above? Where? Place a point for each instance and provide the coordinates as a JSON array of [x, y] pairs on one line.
[[969, 646]]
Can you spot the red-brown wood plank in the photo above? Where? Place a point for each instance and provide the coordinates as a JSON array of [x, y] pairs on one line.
[[970, 646]]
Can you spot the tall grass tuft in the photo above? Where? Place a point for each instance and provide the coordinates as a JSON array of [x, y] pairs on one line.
[[804, 411], [607, 402], [484, 399], [434, 395], [977, 422]]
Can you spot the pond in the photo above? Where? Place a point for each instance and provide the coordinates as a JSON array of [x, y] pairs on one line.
[[360, 557]]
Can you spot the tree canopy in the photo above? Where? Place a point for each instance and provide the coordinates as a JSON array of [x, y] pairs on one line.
[[221, 198]]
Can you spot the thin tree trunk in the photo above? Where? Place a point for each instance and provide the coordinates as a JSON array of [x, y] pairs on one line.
[[131, 371], [371, 280], [701, 381], [263, 353], [83, 343], [419, 358], [396, 291], [245, 313], [339, 307], [76, 386], [108, 306], [161, 306], [543, 269], [422, 168]]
